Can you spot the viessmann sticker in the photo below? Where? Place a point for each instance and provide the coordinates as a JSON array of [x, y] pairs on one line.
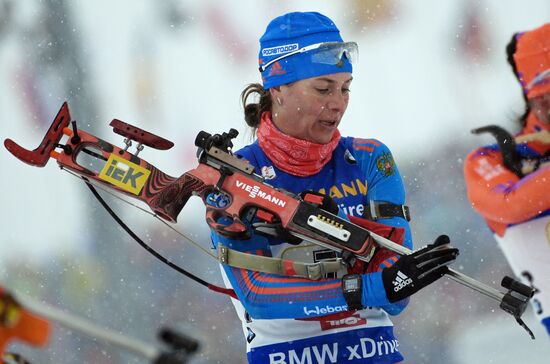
[[124, 174]]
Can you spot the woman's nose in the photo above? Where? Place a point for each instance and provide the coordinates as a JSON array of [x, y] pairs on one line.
[[337, 101]]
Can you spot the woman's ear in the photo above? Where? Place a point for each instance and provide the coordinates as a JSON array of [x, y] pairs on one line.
[[276, 95]]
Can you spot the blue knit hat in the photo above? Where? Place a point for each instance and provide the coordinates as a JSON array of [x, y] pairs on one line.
[[291, 32]]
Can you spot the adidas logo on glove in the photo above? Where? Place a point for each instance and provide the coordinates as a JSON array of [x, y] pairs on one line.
[[422, 267], [401, 281]]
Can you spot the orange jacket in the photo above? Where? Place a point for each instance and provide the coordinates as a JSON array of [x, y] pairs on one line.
[[501, 196]]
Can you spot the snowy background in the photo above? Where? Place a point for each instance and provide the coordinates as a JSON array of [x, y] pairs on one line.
[[428, 72]]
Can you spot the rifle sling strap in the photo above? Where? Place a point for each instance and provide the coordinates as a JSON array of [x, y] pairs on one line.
[[313, 271]]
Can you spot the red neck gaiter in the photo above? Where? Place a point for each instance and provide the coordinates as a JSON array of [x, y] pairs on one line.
[[291, 155]]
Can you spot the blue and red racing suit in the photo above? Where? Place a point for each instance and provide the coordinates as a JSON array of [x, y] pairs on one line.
[[295, 320]]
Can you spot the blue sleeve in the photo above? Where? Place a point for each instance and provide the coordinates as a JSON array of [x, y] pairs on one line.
[[385, 185]]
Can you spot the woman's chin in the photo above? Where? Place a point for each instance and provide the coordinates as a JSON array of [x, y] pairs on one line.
[[324, 138]]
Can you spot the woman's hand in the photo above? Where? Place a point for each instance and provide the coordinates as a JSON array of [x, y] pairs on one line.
[[415, 271]]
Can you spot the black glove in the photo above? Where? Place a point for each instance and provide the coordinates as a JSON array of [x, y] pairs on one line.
[[415, 271]]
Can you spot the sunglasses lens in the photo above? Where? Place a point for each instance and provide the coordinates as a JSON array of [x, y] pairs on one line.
[[332, 53]]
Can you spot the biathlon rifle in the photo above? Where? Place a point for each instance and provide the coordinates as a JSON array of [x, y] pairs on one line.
[[243, 192], [520, 166], [25, 319]]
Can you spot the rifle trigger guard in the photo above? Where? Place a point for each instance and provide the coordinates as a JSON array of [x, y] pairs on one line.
[[236, 230]]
